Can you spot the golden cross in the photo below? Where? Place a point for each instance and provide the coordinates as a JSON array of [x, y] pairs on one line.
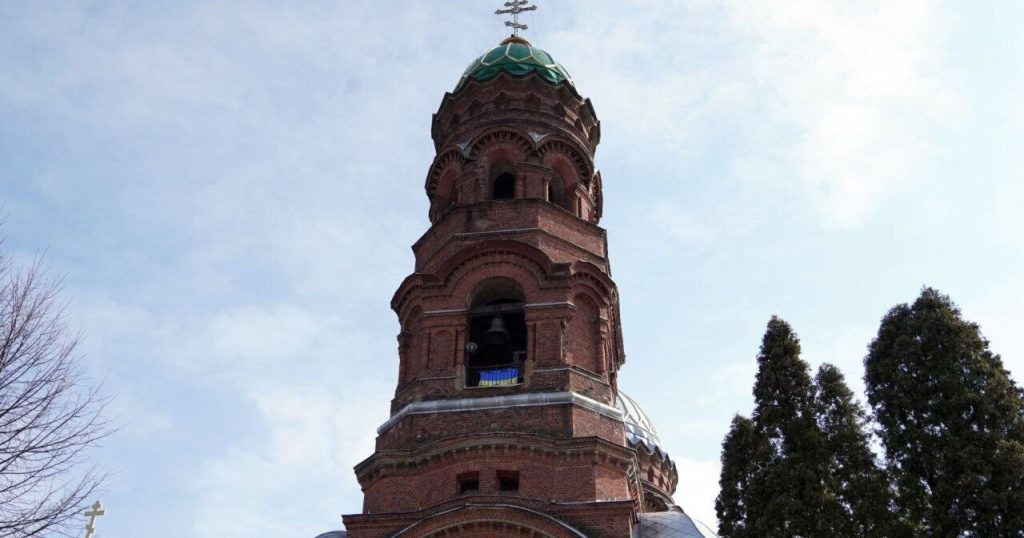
[[96, 511]]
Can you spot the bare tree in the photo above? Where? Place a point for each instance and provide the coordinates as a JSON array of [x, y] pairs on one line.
[[49, 416]]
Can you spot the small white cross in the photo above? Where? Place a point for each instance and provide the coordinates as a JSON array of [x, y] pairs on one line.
[[515, 7], [96, 511]]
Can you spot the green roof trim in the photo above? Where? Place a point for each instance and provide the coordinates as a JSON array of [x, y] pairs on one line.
[[517, 59]]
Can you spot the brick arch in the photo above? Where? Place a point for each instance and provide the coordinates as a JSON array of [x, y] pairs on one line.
[[450, 159], [486, 521], [556, 145], [584, 332], [517, 144], [564, 166], [408, 295], [412, 342], [503, 264], [563, 183], [525, 264], [492, 287], [444, 194], [588, 276]]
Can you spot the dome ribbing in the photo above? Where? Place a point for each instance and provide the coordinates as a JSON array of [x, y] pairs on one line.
[[517, 57]]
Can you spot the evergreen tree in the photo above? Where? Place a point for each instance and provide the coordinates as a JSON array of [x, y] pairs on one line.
[[772, 466], [743, 457], [802, 466], [856, 488], [951, 421], [787, 497]]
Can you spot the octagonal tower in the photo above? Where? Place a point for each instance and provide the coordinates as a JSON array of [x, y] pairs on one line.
[[506, 418]]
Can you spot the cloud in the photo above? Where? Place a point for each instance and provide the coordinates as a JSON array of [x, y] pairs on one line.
[[285, 482], [726, 383], [844, 347], [854, 92], [999, 310], [698, 487], [242, 186], [318, 393], [139, 418], [259, 335], [835, 104], [678, 224]]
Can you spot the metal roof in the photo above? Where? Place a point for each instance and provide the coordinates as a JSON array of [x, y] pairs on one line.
[[671, 524], [517, 58], [639, 428]]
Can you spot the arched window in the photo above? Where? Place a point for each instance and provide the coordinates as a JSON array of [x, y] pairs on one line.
[[445, 194], [586, 350], [496, 352], [556, 189], [505, 186]]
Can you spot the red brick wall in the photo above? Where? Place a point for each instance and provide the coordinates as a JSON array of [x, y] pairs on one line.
[[556, 254], [564, 479]]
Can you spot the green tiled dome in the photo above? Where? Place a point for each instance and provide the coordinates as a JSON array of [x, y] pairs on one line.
[[517, 57]]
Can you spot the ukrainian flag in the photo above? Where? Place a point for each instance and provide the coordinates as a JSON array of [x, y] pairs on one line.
[[499, 377]]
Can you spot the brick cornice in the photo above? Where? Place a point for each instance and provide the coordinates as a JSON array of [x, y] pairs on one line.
[[563, 218], [511, 445], [531, 399], [506, 98]]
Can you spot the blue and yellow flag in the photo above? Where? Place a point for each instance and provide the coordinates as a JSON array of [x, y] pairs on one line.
[[499, 377]]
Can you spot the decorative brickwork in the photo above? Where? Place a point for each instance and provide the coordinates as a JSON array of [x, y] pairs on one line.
[[504, 419]]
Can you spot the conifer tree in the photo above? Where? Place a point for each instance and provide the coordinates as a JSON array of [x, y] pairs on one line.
[[787, 498], [743, 457], [772, 465], [951, 421], [802, 466], [857, 488]]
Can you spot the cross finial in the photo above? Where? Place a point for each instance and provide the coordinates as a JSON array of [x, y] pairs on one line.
[[95, 512], [514, 8]]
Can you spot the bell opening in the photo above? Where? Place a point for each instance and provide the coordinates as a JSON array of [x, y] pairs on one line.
[[497, 330]]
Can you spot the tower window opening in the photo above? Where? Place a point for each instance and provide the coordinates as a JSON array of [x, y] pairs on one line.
[[508, 480], [469, 482], [496, 353], [556, 189], [505, 187]]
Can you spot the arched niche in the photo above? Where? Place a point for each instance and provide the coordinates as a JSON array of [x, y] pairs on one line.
[[482, 521], [564, 180], [497, 334], [411, 350], [587, 346], [556, 190], [444, 194], [502, 178], [441, 179]]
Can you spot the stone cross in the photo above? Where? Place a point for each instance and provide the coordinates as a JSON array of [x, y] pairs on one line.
[[96, 511], [515, 7]]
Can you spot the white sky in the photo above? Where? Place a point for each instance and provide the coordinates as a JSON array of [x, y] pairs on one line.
[[230, 190]]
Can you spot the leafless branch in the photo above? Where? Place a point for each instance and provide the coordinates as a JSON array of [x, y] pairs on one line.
[[49, 416]]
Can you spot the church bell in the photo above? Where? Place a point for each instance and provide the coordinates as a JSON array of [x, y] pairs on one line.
[[497, 334]]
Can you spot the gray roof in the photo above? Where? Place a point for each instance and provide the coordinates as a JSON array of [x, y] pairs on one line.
[[672, 524], [334, 534], [639, 428]]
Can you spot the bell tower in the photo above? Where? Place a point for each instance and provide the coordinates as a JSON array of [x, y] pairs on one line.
[[506, 418]]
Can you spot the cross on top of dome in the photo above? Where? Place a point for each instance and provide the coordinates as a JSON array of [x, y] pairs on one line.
[[514, 8]]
